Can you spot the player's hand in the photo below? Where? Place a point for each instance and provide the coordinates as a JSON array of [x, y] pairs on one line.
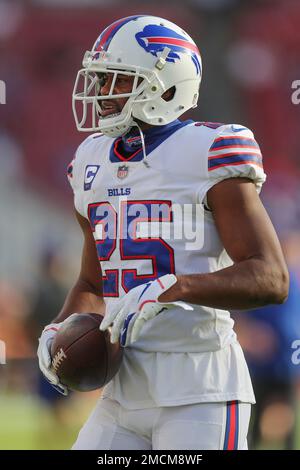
[[44, 356], [128, 315]]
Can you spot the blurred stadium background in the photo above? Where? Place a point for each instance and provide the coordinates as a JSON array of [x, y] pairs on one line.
[[251, 54]]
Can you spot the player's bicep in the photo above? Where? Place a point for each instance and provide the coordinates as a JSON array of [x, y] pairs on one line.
[[243, 223], [90, 271]]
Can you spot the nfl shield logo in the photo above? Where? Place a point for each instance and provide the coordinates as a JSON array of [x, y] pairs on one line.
[[122, 172]]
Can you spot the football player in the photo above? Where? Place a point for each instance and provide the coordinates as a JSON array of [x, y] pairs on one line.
[[183, 382]]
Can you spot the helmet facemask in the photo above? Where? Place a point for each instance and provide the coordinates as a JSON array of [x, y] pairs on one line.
[[87, 100]]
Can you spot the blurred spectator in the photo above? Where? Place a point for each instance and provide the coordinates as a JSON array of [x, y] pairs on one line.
[[263, 61], [12, 159], [11, 15], [266, 336], [16, 373], [48, 298], [50, 292], [13, 316]]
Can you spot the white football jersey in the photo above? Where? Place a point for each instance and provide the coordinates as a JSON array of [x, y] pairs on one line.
[[149, 218]]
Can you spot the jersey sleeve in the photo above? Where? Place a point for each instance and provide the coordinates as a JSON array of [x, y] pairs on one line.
[[70, 174], [234, 153], [74, 180], [77, 170], [75, 175]]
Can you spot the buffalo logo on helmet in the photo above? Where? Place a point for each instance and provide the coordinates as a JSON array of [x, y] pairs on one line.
[[155, 38]]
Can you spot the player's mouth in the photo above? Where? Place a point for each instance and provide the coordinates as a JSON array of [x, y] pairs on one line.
[[108, 110]]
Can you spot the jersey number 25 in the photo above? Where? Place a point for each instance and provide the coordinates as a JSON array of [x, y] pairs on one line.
[[113, 231]]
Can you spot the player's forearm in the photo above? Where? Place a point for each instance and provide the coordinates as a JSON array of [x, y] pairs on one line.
[[82, 298], [249, 284]]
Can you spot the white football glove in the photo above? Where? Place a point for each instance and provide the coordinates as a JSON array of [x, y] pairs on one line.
[[140, 304], [44, 356]]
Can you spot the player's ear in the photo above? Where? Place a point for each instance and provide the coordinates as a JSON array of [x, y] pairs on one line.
[[169, 94]]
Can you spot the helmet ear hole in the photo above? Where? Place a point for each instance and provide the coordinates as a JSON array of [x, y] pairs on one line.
[[169, 94]]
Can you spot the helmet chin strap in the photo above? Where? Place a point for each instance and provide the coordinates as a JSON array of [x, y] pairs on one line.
[[145, 160]]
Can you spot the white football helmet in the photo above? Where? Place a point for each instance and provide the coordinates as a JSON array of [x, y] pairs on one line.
[[158, 54]]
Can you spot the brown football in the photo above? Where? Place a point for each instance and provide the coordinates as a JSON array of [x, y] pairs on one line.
[[82, 356]]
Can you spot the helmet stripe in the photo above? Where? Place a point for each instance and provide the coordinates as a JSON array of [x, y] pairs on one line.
[[111, 30], [106, 33]]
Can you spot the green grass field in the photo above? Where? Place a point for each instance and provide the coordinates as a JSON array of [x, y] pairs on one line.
[[28, 424]]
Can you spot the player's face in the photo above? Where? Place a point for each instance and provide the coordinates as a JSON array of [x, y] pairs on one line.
[[123, 84]]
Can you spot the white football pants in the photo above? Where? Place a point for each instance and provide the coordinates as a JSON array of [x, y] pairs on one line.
[[200, 426]]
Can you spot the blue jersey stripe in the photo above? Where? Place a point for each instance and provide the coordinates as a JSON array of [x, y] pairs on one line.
[[239, 158], [227, 428], [232, 426], [229, 141]]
